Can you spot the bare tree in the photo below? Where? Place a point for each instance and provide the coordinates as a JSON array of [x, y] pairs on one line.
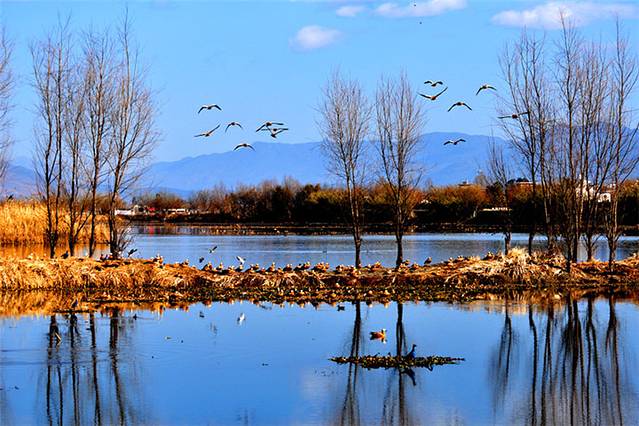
[[6, 90], [133, 133], [344, 123], [499, 174], [51, 71], [100, 67], [399, 120], [525, 71], [622, 137], [73, 176], [568, 74]]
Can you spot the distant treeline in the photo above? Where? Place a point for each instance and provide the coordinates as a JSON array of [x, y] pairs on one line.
[[293, 203]]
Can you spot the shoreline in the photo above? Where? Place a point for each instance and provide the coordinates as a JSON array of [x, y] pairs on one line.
[[54, 284]]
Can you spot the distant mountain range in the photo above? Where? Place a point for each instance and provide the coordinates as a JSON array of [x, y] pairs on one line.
[[304, 162]]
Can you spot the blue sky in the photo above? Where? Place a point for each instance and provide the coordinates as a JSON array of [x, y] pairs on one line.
[[268, 60]]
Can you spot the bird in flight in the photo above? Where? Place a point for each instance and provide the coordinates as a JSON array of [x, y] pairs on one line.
[[233, 123], [209, 133], [211, 250], [267, 125], [433, 97], [243, 145], [515, 115], [460, 103], [209, 107], [454, 142], [485, 87], [240, 259], [433, 83], [275, 131]]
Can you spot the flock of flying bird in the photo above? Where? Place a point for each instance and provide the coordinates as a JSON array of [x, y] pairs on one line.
[[269, 126], [435, 83]]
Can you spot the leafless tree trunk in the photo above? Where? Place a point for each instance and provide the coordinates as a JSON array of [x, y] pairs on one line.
[[6, 90], [133, 133], [399, 124], [74, 177], [344, 123], [592, 147], [524, 69], [622, 136], [568, 77], [499, 174], [99, 74], [51, 71]]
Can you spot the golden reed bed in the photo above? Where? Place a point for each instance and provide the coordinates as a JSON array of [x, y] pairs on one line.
[[25, 222], [138, 281]]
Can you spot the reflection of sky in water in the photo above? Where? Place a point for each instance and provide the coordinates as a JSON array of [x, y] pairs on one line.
[[176, 244], [179, 367], [296, 249]]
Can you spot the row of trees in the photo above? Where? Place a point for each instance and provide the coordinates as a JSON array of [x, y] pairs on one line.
[[94, 127], [396, 120], [576, 139]]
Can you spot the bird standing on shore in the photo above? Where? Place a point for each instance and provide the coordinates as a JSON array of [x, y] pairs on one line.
[[411, 354], [209, 107], [65, 255]]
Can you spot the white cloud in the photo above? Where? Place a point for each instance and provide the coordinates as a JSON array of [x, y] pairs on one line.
[[350, 11], [314, 37], [419, 9], [548, 15]]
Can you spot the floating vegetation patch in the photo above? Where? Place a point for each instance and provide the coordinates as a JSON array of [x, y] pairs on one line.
[[376, 361]]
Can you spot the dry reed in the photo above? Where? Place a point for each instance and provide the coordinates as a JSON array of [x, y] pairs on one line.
[[25, 222]]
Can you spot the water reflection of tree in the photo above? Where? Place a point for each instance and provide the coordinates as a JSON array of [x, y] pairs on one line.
[[82, 386], [395, 406], [571, 377]]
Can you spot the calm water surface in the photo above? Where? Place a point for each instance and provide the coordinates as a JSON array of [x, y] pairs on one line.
[[179, 243], [573, 362]]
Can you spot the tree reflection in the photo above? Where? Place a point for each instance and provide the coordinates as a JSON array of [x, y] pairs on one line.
[[85, 384], [395, 406], [572, 378]]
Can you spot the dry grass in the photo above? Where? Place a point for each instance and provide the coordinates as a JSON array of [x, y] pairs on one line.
[[97, 283], [24, 222]]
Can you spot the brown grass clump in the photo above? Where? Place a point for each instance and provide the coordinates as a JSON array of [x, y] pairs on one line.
[[460, 280], [25, 222]]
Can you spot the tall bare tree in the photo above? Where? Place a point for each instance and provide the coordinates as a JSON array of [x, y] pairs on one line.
[[344, 123], [622, 136], [133, 133], [51, 72], [525, 70], [399, 120], [100, 69], [74, 176], [6, 90]]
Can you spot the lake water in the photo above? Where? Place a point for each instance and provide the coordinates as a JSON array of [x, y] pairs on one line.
[[176, 244], [574, 362]]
